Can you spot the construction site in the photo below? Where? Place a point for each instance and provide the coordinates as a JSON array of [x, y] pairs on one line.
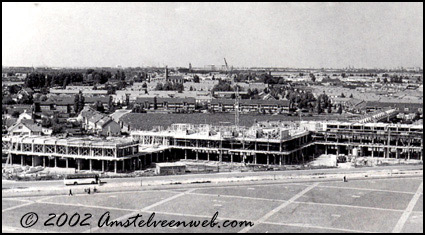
[[266, 143]]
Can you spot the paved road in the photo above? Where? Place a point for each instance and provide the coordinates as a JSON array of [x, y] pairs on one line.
[[6, 184]]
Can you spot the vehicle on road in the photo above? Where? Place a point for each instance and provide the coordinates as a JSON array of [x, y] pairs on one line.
[[75, 179]]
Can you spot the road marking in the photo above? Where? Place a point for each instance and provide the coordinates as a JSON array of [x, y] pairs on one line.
[[8, 229], [239, 197], [317, 227], [88, 206], [364, 189], [275, 210], [299, 202], [18, 206], [16, 199], [134, 213], [348, 206], [192, 215], [403, 219], [26, 204]]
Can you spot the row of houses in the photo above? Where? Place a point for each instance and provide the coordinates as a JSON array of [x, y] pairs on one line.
[[65, 104], [217, 105], [362, 106]]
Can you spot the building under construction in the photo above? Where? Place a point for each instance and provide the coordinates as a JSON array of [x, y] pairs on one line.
[[270, 143]]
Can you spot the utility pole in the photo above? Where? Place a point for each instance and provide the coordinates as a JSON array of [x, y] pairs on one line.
[[237, 108]]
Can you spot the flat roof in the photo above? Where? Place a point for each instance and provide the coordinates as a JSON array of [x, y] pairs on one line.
[[89, 141]]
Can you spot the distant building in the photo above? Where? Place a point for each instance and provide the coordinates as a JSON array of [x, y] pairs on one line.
[[399, 106], [25, 127], [98, 123], [270, 106], [175, 79], [167, 103]]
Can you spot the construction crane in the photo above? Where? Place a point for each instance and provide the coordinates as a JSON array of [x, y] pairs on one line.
[[237, 108], [227, 66]]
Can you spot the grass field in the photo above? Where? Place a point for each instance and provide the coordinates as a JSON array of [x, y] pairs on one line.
[[366, 205], [164, 119]]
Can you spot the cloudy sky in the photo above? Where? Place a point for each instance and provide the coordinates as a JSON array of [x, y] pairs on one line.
[[316, 35]]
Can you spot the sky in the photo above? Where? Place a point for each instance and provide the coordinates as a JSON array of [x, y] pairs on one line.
[[303, 35]]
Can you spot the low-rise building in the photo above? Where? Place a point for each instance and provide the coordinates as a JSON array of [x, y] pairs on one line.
[[25, 127]]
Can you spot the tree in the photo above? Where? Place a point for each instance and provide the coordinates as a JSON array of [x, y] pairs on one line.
[[7, 99], [196, 78], [98, 106], [159, 86], [127, 99], [65, 82], [340, 109], [15, 114], [313, 78], [155, 104], [351, 96], [77, 103], [110, 104], [330, 109], [342, 95], [319, 107]]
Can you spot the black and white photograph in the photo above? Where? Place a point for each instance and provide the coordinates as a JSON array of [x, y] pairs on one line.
[[212, 117]]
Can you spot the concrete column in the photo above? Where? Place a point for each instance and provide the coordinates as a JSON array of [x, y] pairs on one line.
[[208, 156], [197, 154], [268, 160], [33, 161], [115, 166], [123, 165], [255, 158], [185, 154], [373, 152], [91, 165], [408, 154], [144, 160], [231, 157], [66, 162], [103, 166], [22, 160], [79, 164], [44, 161], [280, 160], [397, 153], [220, 157]]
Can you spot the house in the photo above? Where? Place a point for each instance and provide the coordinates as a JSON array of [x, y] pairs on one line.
[[175, 79], [24, 116], [167, 103], [107, 127], [104, 100], [25, 127], [98, 123], [245, 105], [62, 104]]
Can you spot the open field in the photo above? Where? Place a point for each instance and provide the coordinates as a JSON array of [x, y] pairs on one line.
[[364, 205], [165, 119]]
